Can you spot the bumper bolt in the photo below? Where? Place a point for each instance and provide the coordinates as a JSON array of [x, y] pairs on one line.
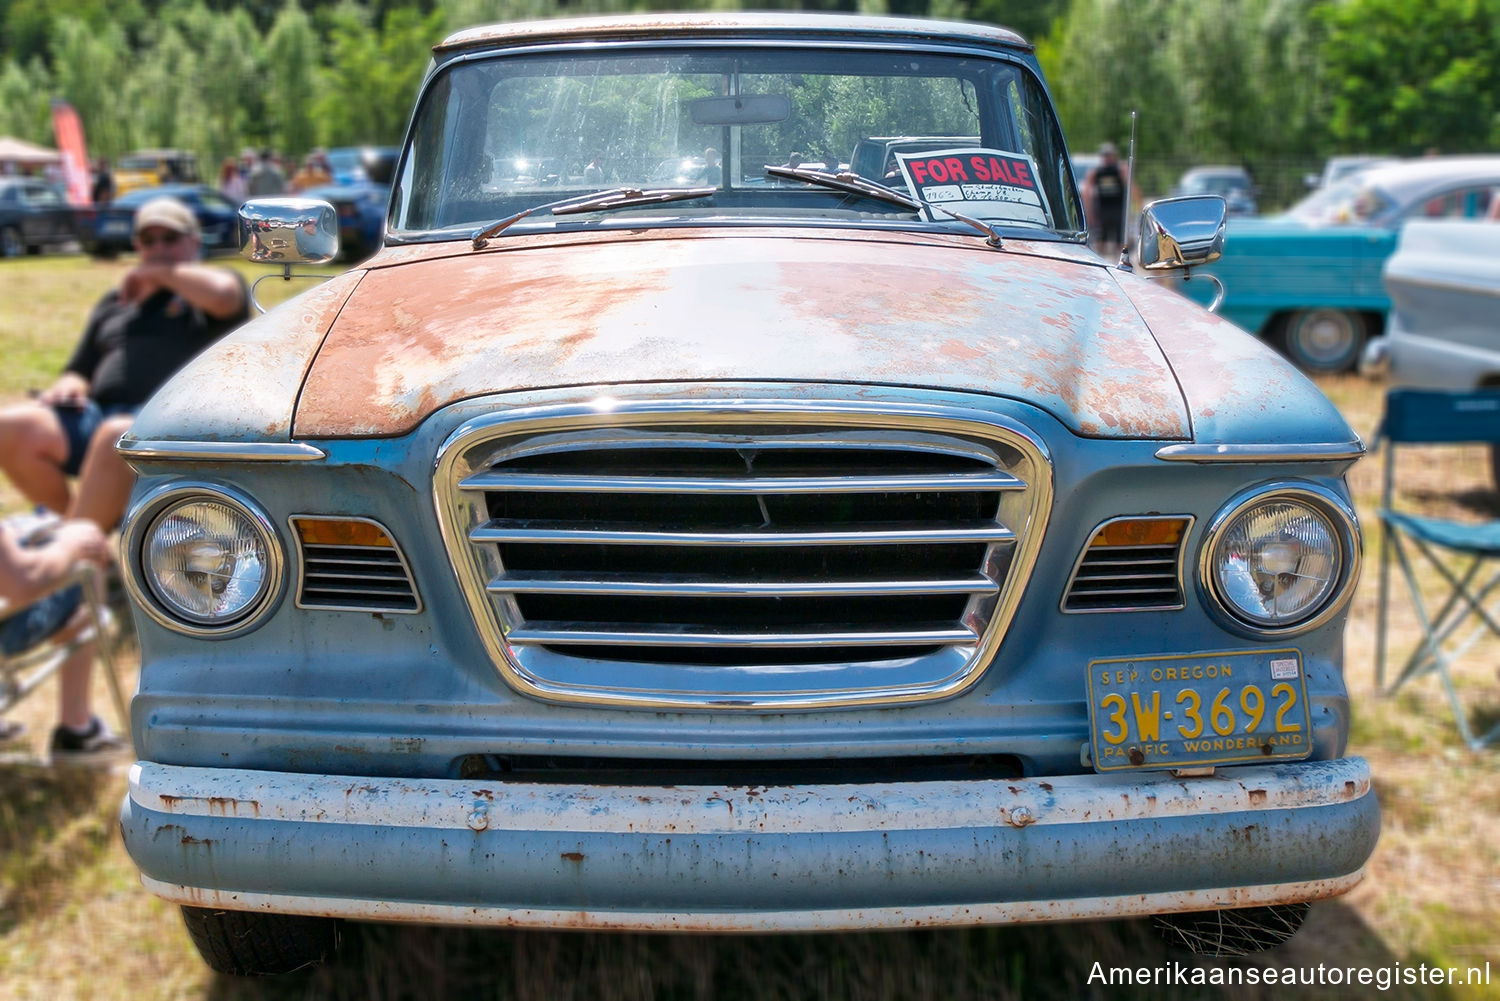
[[1020, 816]]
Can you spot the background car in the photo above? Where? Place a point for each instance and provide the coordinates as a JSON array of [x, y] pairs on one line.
[[1444, 330], [108, 230], [149, 168], [353, 164], [1233, 184], [1310, 280], [33, 215], [361, 209], [1339, 167]]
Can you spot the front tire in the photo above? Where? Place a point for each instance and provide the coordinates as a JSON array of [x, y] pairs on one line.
[[1324, 340], [11, 244], [1237, 932], [255, 944]]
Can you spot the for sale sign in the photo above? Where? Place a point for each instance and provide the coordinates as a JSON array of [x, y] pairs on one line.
[[985, 183]]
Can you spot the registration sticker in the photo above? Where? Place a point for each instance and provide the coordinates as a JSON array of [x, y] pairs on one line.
[[1198, 709]]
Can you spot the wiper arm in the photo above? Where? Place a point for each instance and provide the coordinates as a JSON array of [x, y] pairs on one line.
[[855, 184], [594, 201], [847, 181]]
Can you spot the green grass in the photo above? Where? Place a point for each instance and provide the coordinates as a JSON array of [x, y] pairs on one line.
[[74, 922]]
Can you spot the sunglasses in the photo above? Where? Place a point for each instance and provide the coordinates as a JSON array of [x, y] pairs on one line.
[[148, 240]]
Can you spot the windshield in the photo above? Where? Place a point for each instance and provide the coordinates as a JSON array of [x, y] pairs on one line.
[[1345, 202], [496, 137]]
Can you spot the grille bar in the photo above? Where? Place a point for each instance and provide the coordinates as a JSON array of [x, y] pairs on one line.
[[1126, 578], [501, 530], [539, 482], [355, 578], [651, 634], [539, 582]]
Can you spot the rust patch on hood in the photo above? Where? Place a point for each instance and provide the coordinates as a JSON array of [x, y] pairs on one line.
[[423, 334]]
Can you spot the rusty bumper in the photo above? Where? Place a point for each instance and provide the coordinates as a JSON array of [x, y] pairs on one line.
[[735, 858]]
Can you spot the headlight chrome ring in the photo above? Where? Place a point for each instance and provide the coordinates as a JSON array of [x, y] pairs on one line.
[[204, 559], [1280, 559]]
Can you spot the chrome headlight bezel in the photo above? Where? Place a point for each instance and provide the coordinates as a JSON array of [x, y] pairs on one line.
[[147, 513], [1327, 503]]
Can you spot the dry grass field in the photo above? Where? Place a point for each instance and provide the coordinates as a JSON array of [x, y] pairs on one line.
[[75, 924]]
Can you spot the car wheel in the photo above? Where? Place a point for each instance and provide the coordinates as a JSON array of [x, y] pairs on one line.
[[1238, 932], [254, 944], [11, 244], [1324, 340]]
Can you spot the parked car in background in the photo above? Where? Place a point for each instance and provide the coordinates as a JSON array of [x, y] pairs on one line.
[[34, 215], [149, 168], [1233, 184], [361, 208], [740, 557], [1339, 167], [1309, 280], [358, 164], [108, 231], [1444, 329]]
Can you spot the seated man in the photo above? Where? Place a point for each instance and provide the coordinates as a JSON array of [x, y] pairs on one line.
[[166, 309], [27, 572]]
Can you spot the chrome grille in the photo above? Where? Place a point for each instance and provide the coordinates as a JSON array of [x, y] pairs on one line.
[[768, 565], [347, 577]]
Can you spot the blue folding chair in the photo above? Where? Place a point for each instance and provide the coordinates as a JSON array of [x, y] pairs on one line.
[[1465, 556]]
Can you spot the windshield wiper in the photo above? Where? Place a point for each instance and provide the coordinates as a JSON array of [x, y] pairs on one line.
[[855, 184], [594, 201], [847, 181]]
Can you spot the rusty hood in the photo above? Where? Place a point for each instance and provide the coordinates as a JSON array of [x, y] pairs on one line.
[[424, 332]]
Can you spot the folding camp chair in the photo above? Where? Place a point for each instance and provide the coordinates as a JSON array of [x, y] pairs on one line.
[[22, 673], [1465, 556]]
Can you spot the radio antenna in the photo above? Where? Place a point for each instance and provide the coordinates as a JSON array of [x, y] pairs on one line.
[[1129, 185]]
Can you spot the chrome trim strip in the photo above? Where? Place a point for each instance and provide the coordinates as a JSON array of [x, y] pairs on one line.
[[394, 547], [565, 634], [854, 919], [1324, 452], [951, 429], [496, 531], [1346, 527], [1181, 564], [542, 483], [143, 514], [683, 585], [219, 451]]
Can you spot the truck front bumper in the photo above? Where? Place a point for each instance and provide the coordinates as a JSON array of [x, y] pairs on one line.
[[737, 858]]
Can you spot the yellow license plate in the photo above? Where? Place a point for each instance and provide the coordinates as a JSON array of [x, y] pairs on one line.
[[1199, 709]]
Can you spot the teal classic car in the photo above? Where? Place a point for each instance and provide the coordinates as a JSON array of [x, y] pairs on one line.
[[768, 548], [1308, 281]]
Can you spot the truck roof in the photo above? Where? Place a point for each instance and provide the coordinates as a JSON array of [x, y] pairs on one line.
[[719, 24]]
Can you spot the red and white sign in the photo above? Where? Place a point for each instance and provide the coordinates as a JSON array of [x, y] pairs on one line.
[[985, 183]]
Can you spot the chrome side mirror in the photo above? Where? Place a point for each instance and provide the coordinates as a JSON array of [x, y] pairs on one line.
[[288, 231], [1181, 233]]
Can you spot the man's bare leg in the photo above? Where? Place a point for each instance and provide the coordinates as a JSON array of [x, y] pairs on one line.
[[33, 449], [105, 480]]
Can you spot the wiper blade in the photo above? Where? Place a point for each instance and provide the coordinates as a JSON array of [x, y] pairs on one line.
[[594, 201], [846, 181], [855, 184]]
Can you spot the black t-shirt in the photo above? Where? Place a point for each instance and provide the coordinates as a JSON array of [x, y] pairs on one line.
[[1109, 188], [129, 349]]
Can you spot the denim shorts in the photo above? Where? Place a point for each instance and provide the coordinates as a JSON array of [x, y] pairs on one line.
[[36, 622], [79, 424]]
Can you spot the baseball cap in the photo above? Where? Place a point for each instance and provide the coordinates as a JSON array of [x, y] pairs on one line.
[[168, 213], [1107, 149]]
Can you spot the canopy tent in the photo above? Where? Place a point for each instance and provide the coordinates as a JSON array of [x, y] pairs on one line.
[[22, 154]]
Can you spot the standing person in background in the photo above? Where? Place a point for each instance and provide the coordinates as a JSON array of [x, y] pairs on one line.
[[103, 191], [314, 173], [266, 178], [1104, 191], [232, 182]]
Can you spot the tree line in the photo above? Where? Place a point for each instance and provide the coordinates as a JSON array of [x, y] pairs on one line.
[[1255, 82]]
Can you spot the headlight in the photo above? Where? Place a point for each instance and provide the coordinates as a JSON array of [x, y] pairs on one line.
[[208, 560], [1282, 559]]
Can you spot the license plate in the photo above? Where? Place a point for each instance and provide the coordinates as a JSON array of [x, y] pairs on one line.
[[1198, 709], [114, 226]]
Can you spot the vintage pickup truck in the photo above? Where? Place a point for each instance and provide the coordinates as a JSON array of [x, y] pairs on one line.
[[774, 549]]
